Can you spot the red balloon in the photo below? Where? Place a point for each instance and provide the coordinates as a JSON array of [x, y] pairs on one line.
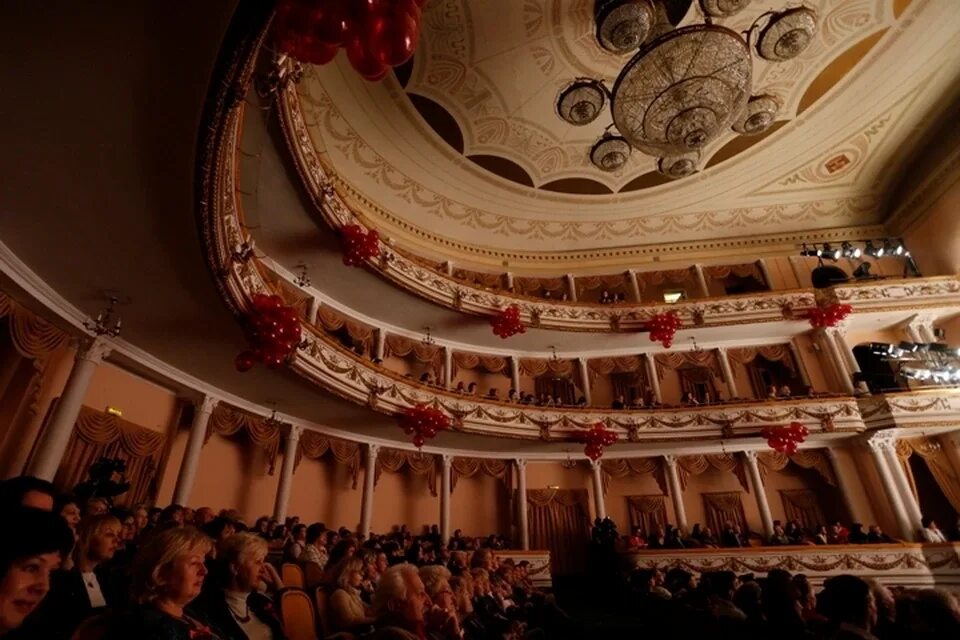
[[317, 52], [398, 39], [244, 361], [330, 23]]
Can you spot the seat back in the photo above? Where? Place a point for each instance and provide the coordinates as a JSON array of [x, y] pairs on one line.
[[93, 628], [292, 575], [321, 598], [297, 616], [313, 575]]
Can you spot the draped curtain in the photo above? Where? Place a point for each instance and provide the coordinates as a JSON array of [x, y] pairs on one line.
[[802, 505], [937, 462], [724, 508], [774, 353], [469, 361], [698, 382], [706, 358], [97, 435], [394, 460], [562, 388], [536, 367], [808, 459], [424, 353], [625, 467], [469, 467], [315, 445], [227, 421], [694, 465], [538, 286], [724, 271], [559, 521], [488, 280], [647, 512], [674, 276], [332, 320], [616, 283]]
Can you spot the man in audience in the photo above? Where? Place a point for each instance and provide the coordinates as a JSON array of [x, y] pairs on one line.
[[930, 532], [876, 535], [850, 606], [403, 609], [27, 491]]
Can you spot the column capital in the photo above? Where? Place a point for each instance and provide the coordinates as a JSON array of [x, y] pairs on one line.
[[520, 462], [295, 432], [372, 450], [751, 456], [207, 404], [446, 460], [670, 460], [881, 440], [94, 350], [595, 465]]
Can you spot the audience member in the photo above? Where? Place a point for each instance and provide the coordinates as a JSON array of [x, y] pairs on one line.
[[930, 532], [348, 612], [27, 491]]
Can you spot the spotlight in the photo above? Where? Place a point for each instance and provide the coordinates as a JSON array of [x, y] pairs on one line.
[[894, 247], [850, 251], [862, 272], [908, 347], [808, 252], [872, 250], [831, 253]]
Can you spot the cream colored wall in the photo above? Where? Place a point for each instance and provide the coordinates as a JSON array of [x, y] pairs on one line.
[[480, 506], [233, 475], [542, 475], [618, 489], [935, 240], [875, 498], [403, 498], [782, 275], [821, 377], [713, 481]]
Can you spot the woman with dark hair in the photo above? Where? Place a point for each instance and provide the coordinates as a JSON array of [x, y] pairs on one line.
[[294, 549], [29, 550], [345, 548]]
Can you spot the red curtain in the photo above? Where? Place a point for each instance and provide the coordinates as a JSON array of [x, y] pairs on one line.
[[559, 521]]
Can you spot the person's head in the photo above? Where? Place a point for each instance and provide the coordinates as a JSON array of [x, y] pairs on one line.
[[243, 555], [170, 567], [172, 514], [260, 526], [27, 491], [68, 508], [350, 573], [96, 507], [401, 596], [299, 532], [202, 516], [847, 599], [98, 538], [749, 599], [805, 593], [29, 550], [721, 584], [482, 559], [342, 549], [128, 528], [928, 523], [219, 529], [141, 518], [436, 580], [315, 533], [883, 599]]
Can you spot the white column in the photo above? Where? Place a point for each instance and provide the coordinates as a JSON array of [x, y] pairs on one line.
[[522, 523], [927, 333], [448, 268], [571, 287], [701, 281], [515, 374], [585, 380], [191, 455], [598, 498], [447, 367], [727, 374], [903, 486], [913, 332], [676, 493], [765, 272], [849, 358], [634, 285], [380, 346], [760, 492], [653, 377], [801, 365], [55, 437], [508, 277], [843, 484], [445, 463], [313, 309], [877, 444], [836, 361], [286, 473], [366, 507]]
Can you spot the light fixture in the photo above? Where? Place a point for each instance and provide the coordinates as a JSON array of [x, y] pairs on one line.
[[302, 280], [108, 323], [672, 297], [272, 420], [427, 338], [553, 353], [894, 247], [850, 251], [696, 348], [686, 86], [862, 272], [610, 153], [872, 250], [569, 463], [832, 253]]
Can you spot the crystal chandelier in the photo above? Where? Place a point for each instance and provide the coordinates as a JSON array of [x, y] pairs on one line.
[[685, 86]]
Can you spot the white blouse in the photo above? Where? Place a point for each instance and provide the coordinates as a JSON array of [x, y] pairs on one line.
[[255, 628]]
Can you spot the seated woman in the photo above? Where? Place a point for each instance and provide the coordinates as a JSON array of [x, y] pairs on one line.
[[32, 544], [231, 602], [168, 573], [347, 611], [86, 589]]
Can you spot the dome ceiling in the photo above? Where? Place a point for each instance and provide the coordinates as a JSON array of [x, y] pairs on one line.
[[462, 155]]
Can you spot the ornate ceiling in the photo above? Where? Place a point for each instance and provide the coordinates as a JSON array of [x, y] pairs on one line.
[[466, 159]]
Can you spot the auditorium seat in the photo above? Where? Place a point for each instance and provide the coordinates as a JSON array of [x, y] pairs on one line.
[[292, 575], [297, 615]]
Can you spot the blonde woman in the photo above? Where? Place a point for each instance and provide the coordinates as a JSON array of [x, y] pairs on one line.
[[168, 573], [232, 603], [347, 610]]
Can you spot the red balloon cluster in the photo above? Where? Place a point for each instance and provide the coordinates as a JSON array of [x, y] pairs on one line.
[[596, 438], [423, 421], [663, 326], [377, 34], [784, 439], [273, 331], [829, 316], [359, 245], [507, 322]]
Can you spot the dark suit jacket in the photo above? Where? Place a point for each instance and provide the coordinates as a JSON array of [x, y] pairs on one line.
[[212, 607], [67, 604]]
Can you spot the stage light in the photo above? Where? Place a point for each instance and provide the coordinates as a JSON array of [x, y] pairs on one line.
[[831, 253], [893, 247], [850, 251], [872, 250]]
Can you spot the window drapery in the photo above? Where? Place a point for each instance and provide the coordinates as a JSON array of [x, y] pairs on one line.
[[469, 467], [802, 505], [534, 286], [625, 467], [723, 271], [937, 462], [536, 367], [674, 276], [559, 521], [488, 280], [394, 460], [677, 359], [227, 421], [97, 434], [694, 465], [618, 364], [724, 508], [402, 347], [806, 458], [316, 445], [469, 361], [647, 512], [332, 320]]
